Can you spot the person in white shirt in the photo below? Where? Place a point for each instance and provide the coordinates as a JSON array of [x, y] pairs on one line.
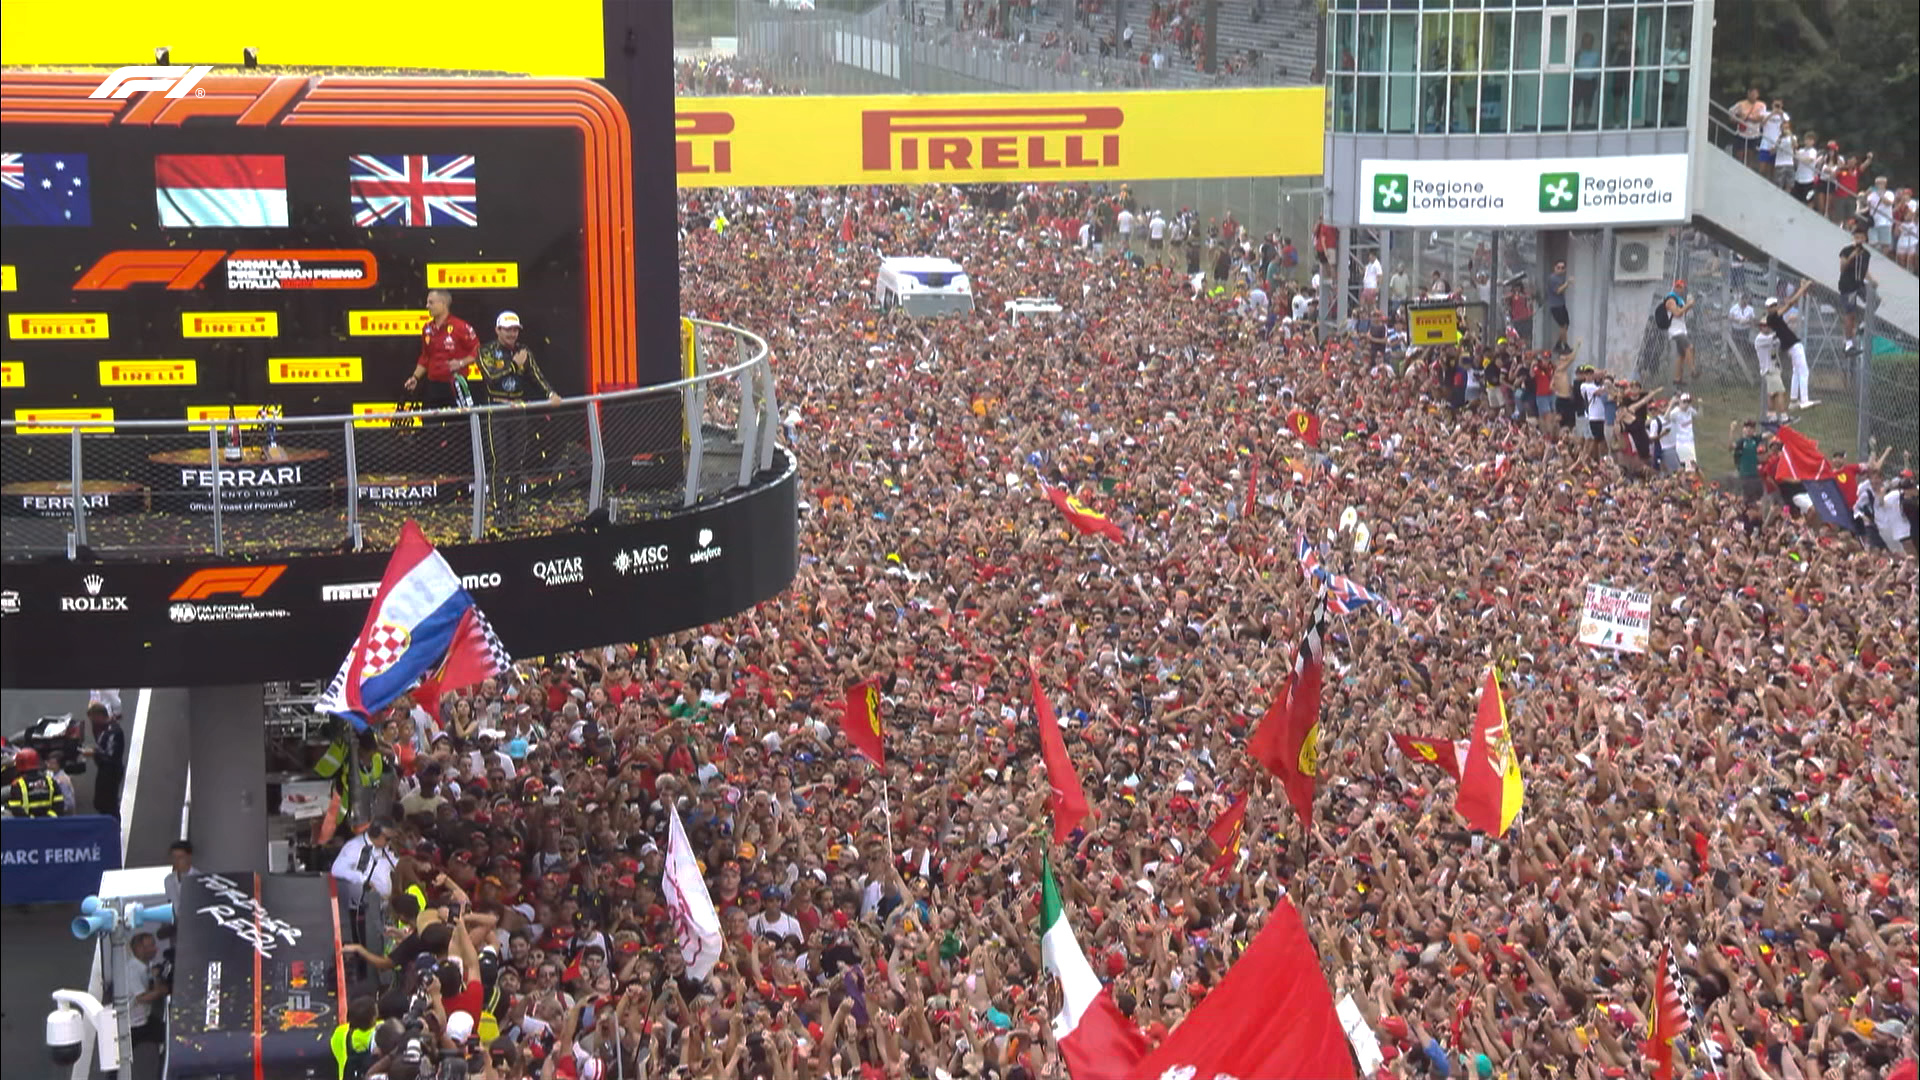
[[488, 755], [1124, 222], [364, 865], [1890, 518], [1595, 389], [1679, 421], [180, 854], [1257, 303], [772, 920], [1157, 236], [146, 1021], [1880, 202], [1784, 143], [1370, 283], [1806, 168]]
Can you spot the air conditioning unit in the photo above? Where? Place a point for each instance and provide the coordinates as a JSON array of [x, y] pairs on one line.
[[1640, 256]]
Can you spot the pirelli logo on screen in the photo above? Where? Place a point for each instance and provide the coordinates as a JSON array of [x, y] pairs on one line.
[[990, 140], [474, 275], [697, 146], [246, 417], [13, 375], [149, 373], [314, 369], [385, 323], [57, 327], [229, 324], [62, 421]]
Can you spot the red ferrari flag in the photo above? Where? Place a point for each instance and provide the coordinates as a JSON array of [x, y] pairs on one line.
[[1287, 741], [1491, 789], [1305, 425], [860, 720], [1083, 519], [1667, 1020], [1253, 487], [1272, 1017], [1446, 753], [1069, 802], [1225, 833]]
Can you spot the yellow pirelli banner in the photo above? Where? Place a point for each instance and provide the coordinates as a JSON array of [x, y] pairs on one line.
[[978, 138]]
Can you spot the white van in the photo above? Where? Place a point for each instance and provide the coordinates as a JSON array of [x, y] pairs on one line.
[[922, 286]]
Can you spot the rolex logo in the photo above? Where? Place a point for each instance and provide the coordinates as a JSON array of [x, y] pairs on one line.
[[93, 584], [93, 601]]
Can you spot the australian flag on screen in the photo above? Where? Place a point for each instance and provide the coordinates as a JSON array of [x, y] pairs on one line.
[[414, 190], [45, 189]]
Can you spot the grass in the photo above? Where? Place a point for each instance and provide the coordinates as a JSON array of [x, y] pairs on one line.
[[1834, 423]]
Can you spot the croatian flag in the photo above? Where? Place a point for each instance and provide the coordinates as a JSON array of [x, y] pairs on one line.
[[422, 623], [247, 191]]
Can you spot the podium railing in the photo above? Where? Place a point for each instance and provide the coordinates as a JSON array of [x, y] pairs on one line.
[[260, 486]]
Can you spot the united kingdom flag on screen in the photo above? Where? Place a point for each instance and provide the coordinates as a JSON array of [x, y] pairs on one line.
[[416, 190]]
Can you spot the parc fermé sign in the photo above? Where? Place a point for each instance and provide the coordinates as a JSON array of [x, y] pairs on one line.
[[978, 138]]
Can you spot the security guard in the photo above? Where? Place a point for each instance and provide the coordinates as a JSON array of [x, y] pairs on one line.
[[512, 376], [32, 793], [359, 785], [353, 1041]]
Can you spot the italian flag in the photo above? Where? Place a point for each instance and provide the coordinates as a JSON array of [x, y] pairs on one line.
[[1098, 1040]]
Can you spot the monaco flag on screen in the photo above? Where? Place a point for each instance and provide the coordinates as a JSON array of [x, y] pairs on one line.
[[221, 191]]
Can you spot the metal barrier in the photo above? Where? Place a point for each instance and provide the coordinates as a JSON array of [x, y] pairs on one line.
[[260, 486], [1867, 397], [882, 51]]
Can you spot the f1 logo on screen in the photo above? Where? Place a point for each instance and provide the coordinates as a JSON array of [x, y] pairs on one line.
[[245, 581], [177, 80]]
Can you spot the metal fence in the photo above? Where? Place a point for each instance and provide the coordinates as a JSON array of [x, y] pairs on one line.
[[1867, 398], [922, 50], [261, 486]]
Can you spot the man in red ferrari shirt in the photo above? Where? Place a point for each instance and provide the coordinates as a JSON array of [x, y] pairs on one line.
[[447, 345]]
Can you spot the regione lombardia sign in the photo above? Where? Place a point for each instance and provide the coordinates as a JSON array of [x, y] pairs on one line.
[[1548, 193]]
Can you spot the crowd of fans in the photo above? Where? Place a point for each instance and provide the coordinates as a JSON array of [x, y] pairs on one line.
[[1744, 790], [1841, 184]]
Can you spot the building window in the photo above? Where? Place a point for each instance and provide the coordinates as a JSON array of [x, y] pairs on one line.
[[1495, 66]]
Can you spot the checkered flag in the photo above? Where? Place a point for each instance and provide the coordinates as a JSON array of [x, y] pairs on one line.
[[1680, 985], [502, 662]]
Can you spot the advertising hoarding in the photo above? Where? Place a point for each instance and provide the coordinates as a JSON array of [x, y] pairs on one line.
[[1544, 193]]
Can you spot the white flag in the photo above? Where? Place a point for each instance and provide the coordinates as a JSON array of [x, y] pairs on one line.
[[694, 920]]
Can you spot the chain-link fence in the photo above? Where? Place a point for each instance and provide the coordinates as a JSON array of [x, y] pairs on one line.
[[1866, 397], [918, 46], [256, 485]]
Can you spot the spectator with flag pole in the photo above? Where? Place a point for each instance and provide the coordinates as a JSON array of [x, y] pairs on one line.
[[1287, 741], [1069, 802], [422, 622], [1491, 789], [1667, 1017]]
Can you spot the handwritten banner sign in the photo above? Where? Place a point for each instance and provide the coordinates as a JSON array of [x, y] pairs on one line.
[[1616, 619]]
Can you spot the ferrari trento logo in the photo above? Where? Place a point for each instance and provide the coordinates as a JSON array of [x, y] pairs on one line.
[[1310, 752]]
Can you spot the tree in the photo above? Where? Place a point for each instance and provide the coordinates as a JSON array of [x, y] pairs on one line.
[[1848, 70]]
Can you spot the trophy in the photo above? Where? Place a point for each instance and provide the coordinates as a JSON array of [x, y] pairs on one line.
[[272, 414], [233, 451]]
